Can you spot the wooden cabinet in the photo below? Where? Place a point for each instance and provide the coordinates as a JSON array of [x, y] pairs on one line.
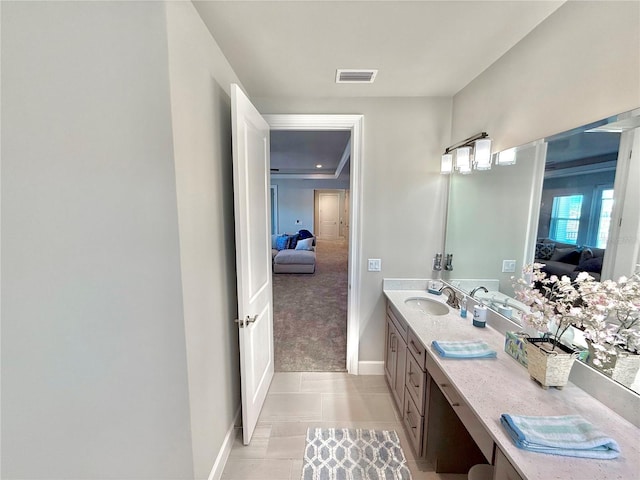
[[415, 383], [395, 356], [413, 423], [436, 420]]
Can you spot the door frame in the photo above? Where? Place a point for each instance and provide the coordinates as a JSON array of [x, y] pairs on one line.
[[354, 124]]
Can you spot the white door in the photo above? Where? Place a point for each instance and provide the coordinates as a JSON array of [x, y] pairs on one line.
[[253, 256], [328, 215]]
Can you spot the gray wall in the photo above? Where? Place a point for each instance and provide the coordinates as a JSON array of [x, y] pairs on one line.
[[200, 78], [296, 202], [403, 191], [580, 65], [119, 355], [94, 373]]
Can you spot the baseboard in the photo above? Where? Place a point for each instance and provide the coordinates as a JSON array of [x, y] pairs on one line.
[[371, 368], [225, 450]]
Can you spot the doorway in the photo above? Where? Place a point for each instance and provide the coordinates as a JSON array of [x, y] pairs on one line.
[[354, 125], [329, 213]]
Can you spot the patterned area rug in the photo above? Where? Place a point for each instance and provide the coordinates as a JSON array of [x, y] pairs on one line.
[[353, 454], [310, 314]]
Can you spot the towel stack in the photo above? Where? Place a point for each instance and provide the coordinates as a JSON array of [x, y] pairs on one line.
[[464, 349], [569, 435]]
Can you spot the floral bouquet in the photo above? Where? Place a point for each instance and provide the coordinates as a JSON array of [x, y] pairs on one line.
[[551, 300], [612, 316], [607, 312]]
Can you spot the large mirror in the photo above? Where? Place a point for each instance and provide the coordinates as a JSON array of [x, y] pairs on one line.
[[569, 201]]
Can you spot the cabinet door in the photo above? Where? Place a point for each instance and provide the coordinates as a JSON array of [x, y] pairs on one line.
[[414, 424], [394, 362], [390, 352], [415, 381]]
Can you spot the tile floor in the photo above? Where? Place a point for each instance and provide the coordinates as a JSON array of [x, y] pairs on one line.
[[319, 399]]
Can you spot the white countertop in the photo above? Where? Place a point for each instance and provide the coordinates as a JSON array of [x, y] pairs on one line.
[[492, 387]]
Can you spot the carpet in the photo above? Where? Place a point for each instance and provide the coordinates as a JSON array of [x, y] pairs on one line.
[[353, 454], [310, 314]]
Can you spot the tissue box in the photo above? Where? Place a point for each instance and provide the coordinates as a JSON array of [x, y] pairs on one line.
[[514, 346]]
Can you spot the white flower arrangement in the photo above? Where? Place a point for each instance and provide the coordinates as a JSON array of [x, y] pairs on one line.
[[612, 316], [607, 312], [550, 300]]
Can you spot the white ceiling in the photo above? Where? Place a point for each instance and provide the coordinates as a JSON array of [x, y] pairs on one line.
[[421, 48]]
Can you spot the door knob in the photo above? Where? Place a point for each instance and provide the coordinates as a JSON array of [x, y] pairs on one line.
[[245, 321]]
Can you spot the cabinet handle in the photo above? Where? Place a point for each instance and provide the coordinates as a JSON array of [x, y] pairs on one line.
[[393, 345], [411, 376], [415, 349], [443, 386], [409, 419]]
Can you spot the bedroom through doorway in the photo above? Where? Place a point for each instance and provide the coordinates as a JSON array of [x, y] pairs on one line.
[[310, 179]]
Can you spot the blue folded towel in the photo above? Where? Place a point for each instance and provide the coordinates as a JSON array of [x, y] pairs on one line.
[[569, 435], [464, 349]]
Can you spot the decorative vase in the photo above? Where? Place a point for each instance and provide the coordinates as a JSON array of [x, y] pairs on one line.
[[622, 366], [547, 365]]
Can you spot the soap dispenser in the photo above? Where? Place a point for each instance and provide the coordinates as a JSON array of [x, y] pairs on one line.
[[463, 307], [479, 315]]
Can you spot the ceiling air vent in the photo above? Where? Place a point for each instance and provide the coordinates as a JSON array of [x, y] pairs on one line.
[[355, 76]]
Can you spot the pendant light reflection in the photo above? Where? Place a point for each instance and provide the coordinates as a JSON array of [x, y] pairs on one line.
[[506, 157]]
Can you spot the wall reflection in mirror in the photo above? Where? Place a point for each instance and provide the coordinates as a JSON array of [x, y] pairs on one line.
[[570, 201]]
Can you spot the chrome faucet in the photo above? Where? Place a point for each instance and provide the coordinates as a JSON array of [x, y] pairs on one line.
[[473, 292], [452, 298]]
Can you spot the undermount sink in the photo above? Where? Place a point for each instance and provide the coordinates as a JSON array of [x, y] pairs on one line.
[[426, 305]]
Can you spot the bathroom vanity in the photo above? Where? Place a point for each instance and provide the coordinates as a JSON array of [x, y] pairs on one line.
[[451, 407]]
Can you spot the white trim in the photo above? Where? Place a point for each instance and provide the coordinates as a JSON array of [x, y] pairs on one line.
[[371, 367], [274, 209], [537, 182], [304, 176], [343, 161], [225, 450], [625, 153], [353, 123]]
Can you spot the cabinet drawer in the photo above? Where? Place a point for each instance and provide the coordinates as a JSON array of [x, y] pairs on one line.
[[415, 381], [399, 322], [414, 423], [417, 350], [503, 468]]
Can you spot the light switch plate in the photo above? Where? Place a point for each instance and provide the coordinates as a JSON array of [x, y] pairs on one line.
[[508, 266], [375, 265]]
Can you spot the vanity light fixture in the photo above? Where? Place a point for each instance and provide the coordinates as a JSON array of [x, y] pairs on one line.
[[446, 166], [482, 154], [463, 159], [474, 152]]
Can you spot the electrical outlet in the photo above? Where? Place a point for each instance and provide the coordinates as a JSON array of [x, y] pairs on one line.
[[508, 266], [375, 265]]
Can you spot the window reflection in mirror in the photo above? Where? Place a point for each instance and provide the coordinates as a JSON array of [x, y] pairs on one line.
[[577, 201], [571, 201]]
